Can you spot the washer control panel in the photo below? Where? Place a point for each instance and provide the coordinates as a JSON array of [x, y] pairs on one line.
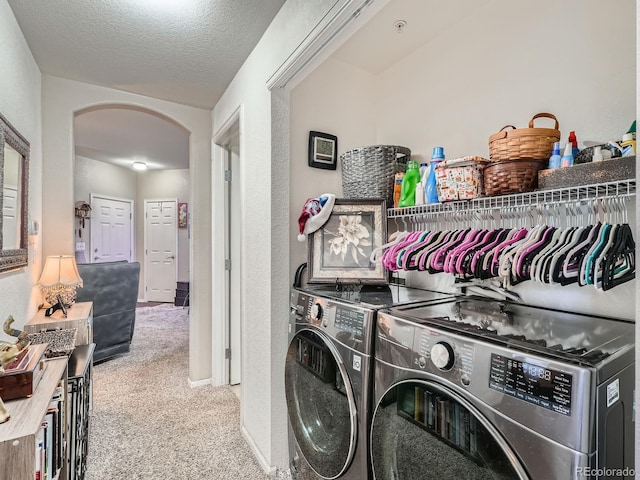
[[442, 354]]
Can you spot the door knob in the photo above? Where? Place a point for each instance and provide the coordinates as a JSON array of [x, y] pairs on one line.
[[171, 256]]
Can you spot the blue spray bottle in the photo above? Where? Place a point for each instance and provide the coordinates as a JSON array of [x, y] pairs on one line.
[[554, 160]]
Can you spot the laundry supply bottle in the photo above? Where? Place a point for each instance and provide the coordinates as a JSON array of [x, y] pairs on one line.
[[420, 196], [431, 189], [397, 188], [424, 172], [597, 154], [628, 144], [409, 182], [574, 143], [567, 157], [554, 160]]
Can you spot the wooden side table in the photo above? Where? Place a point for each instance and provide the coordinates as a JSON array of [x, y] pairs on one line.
[[79, 315]]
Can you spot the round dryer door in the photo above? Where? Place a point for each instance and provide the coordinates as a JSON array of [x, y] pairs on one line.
[[421, 430], [320, 403]]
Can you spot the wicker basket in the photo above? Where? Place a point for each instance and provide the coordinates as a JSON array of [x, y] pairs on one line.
[[368, 172], [524, 143], [512, 176]]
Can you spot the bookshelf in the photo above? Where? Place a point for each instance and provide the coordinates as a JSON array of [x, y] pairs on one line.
[[19, 436]]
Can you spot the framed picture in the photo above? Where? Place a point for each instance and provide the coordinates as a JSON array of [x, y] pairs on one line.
[[323, 150], [339, 251], [182, 215]]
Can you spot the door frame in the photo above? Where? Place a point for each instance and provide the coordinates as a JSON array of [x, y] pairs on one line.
[[132, 236], [144, 241], [220, 330]]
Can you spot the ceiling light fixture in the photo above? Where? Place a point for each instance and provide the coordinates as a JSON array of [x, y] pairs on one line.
[[140, 165]]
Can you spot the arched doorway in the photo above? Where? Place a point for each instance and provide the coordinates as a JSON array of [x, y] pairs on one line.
[[110, 142]]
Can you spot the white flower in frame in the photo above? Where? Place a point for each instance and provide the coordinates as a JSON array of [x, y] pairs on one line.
[[352, 235]]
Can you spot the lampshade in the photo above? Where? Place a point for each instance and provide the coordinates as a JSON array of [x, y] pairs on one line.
[[60, 277]]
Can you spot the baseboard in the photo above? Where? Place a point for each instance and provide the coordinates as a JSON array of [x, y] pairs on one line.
[[199, 383], [268, 469], [142, 300]]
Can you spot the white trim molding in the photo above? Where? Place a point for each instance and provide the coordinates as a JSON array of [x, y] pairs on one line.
[[342, 15]]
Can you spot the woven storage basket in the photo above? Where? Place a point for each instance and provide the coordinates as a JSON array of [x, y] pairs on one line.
[[368, 172], [524, 143], [511, 176]]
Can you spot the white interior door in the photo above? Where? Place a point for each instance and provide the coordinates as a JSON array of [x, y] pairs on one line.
[[161, 242], [111, 229]]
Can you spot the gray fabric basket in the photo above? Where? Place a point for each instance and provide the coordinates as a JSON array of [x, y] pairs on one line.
[[368, 172]]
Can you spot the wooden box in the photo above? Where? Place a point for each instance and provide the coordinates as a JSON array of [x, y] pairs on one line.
[[79, 315], [20, 378]]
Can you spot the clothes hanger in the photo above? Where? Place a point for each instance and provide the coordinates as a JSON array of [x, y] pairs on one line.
[[423, 260], [395, 237], [619, 265]]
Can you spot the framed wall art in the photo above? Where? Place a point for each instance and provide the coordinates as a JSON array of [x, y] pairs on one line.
[[323, 150], [182, 215], [339, 251]]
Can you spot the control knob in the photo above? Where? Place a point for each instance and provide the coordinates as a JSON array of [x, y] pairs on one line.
[[316, 311], [442, 355]]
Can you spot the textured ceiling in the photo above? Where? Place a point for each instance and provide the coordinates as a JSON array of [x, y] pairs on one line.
[[184, 51]]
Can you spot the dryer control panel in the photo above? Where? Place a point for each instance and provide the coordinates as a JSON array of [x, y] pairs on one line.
[[349, 324]]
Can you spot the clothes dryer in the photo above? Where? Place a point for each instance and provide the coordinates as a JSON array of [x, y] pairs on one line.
[[478, 389], [328, 376]]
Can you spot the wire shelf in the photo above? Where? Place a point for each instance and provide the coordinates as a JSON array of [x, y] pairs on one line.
[[619, 189]]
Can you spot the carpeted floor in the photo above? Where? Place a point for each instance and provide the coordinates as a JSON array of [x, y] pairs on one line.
[[148, 423]]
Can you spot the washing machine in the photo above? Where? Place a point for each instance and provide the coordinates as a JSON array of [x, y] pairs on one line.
[[328, 376], [479, 389]]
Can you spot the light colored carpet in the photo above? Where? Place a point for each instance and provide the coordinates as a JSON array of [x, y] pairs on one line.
[[148, 423]]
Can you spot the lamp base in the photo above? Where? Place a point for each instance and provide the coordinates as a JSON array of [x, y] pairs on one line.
[[66, 296]]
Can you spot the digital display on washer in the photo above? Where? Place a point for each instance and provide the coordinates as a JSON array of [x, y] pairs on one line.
[[532, 383], [349, 320]]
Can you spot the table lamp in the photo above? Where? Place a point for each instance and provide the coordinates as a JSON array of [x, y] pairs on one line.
[[59, 281]]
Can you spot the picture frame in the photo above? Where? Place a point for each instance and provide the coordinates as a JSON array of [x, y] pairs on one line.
[[183, 211], [323, 150], [339, 251]]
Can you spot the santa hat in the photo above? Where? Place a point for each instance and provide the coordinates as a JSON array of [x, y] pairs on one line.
[[315, 213]]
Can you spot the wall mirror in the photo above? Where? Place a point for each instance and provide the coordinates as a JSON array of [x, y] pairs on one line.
[[14, 181]]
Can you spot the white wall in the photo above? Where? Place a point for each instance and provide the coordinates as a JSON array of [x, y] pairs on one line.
[[492, 69], [61, 99], [335, 98], [265, 230], [20, 104]]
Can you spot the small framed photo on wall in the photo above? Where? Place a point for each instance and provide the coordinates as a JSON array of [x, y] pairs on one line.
[[182, 215], [323, 150]]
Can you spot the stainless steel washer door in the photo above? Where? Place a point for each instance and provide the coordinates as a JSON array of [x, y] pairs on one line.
[[320, 403], [423, 431]]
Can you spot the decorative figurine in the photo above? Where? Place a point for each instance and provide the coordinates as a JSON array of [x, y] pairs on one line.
[[8, 352]]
